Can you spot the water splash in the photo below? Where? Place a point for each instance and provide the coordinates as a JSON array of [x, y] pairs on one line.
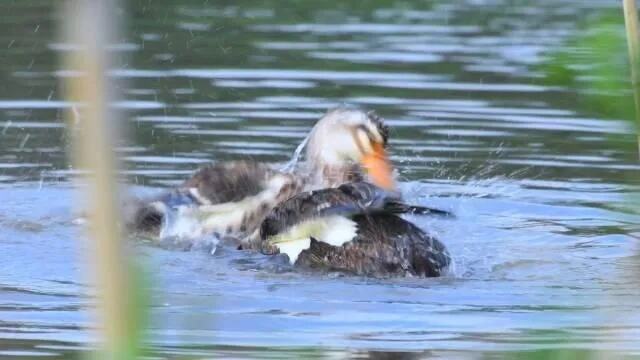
[[24, 141], [179, 230], [6, 127], [291, 165]]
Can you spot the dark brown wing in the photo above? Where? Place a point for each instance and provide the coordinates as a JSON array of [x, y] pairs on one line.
[[347, 200], [402, 208], [386, 245]]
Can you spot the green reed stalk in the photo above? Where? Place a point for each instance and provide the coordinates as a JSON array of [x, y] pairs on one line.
[[90, 26], [631, 25]]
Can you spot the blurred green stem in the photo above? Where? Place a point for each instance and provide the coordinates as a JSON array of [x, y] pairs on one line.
[[631, 24], [91, 25]]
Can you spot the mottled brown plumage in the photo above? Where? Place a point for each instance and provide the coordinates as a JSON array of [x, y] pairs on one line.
[[232, 198], [218, 184], [385, 244]]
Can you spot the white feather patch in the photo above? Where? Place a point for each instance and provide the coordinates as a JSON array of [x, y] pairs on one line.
[[293, 248], [338, 231], [332, 230]]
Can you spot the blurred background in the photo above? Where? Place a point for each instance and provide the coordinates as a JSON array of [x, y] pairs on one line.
[[507, 112]]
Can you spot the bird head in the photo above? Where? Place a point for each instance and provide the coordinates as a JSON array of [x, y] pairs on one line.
[[347, 136]]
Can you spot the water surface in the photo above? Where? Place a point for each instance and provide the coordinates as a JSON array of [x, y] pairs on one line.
[[543, 242]]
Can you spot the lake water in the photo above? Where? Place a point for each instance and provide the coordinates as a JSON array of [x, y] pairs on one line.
[[543, 241]]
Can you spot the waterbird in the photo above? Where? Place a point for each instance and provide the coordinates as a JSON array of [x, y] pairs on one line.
[[230, 199], [354, 228]]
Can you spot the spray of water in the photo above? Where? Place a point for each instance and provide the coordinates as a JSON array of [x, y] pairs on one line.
[[291, 165], [182, 229]]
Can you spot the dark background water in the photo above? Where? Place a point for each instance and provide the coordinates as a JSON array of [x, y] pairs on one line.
[[543, 242]]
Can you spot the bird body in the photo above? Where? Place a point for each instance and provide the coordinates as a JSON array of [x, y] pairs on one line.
[[231, 199], [354, 228], [339, 210]]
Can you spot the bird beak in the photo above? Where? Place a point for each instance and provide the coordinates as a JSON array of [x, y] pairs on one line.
[[379, 167]]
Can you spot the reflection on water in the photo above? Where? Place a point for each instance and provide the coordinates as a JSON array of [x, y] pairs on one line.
[[542, 243]]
